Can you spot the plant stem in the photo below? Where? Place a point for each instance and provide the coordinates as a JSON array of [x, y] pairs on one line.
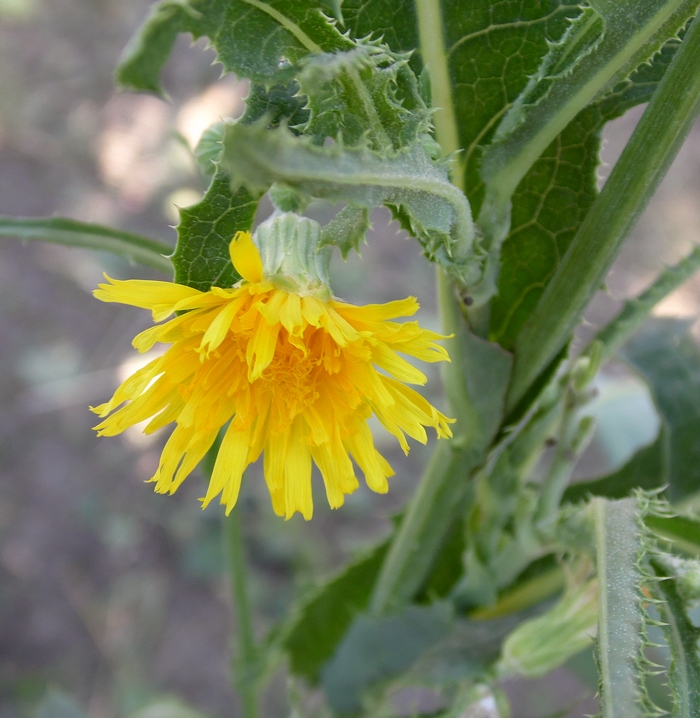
[[643, 164], [245, 665], [71, 233], [443, 488], [619, 638], [635, 311]]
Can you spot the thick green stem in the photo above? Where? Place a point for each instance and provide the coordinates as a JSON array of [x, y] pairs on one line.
[[245, 665], [442, 490], [653, 146], [619, 642]]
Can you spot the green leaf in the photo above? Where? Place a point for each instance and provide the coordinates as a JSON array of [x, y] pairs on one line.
[[321, 622], [644, 161], [280, 104], [602, 47], [376, 649], [682, 638], [667, 357], [367, 95], [410, 182], [205, 231], [253, 38], [645, 470], [682, 531], [467, 652], [347, 229], [72, 233], [553, 198]]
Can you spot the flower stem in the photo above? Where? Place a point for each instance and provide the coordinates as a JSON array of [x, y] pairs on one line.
[[245, 664]]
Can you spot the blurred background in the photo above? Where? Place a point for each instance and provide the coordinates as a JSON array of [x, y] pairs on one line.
[[111, 596]]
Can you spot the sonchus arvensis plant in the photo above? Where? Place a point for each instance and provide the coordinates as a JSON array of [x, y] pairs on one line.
[[477, 125]]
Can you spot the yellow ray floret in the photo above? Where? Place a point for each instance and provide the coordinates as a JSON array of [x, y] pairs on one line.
[[294, 376]]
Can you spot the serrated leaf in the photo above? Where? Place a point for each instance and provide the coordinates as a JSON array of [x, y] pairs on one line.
[[209, 148], [205, 230], [682, 638], [279, 104], [201, 259], [347, 229], [435, 209], [253, 38], [378, 648], [323, 620], [366, 95], [682, 531]]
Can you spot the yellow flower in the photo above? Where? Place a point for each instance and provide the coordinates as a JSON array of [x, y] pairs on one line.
[[295, 373]]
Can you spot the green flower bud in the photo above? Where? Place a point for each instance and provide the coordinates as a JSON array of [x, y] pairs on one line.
[[541, 644]]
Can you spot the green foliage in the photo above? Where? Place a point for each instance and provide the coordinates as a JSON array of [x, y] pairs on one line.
[[669, 360], [256, 40], [682, 637], [379, 648], [425, 200], [321, 622], [205, 231], [430, 108]]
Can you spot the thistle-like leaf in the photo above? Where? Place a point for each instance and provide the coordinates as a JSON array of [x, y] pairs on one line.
[[367, 95], [417, 188], [256, 39]]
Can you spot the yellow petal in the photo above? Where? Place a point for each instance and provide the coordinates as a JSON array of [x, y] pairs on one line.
[[246, 257], [297, 474], [228, 468], [143, 293]]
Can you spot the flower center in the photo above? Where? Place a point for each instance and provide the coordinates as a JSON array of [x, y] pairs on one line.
[[290, 377]]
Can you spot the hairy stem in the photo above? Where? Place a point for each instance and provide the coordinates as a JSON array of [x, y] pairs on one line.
[[619, 639]]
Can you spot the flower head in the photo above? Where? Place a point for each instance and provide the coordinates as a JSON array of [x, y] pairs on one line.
[[292, 370]]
